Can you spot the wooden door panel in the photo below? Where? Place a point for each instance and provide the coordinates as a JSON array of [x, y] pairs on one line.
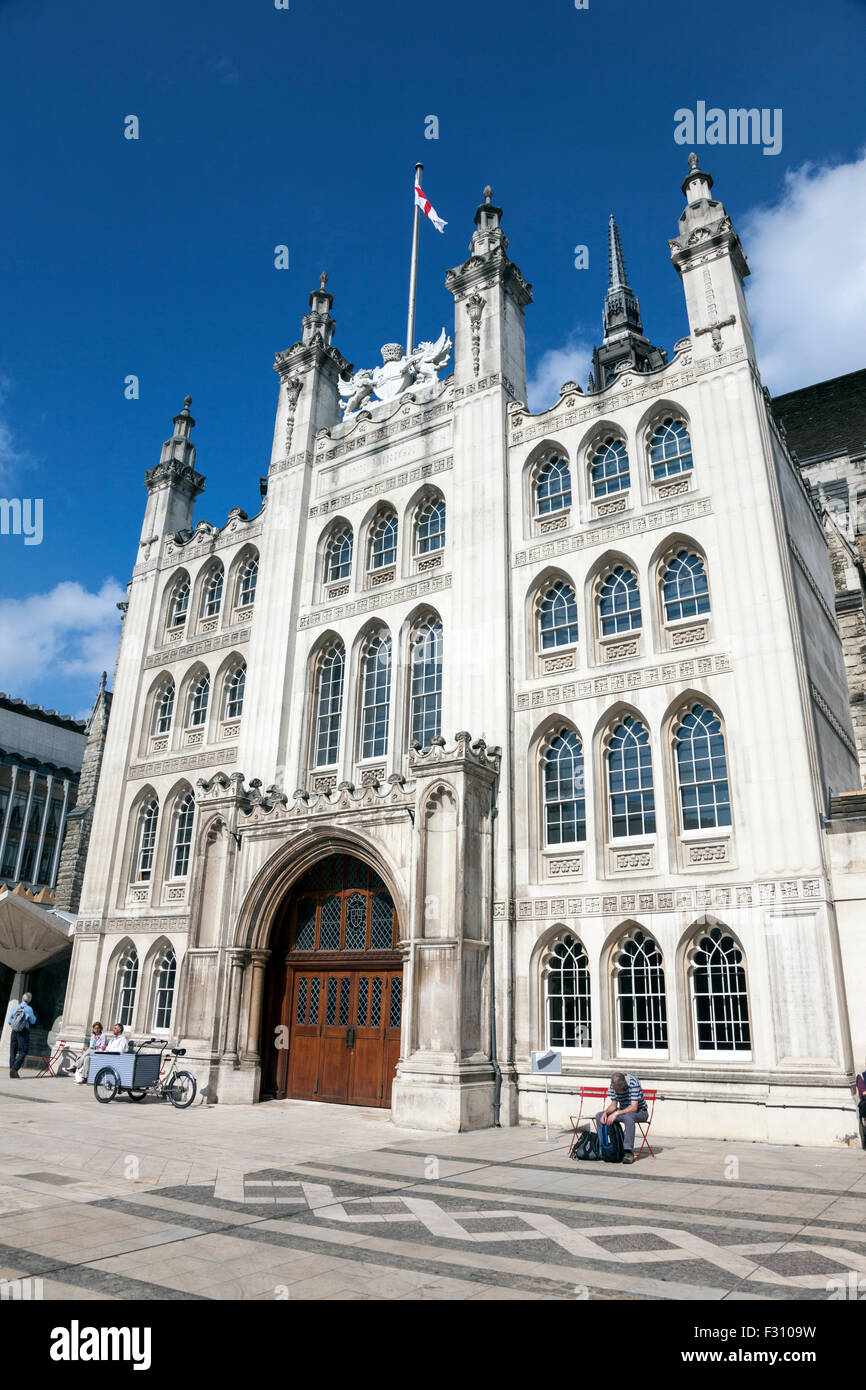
[[335, 1057], [304, 1040]]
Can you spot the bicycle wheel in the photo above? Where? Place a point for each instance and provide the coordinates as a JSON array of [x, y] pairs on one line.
[[181, 1090], [105, 1086]]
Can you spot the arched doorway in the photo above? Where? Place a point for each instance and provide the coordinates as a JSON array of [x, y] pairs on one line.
[[334, 989]]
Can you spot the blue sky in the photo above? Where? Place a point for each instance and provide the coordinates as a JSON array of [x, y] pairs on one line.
[[261, 126]]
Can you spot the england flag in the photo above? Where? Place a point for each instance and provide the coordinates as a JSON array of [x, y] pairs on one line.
[[423, 202]]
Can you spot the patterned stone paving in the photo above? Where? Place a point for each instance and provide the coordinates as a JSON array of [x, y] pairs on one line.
[[298, 1201]]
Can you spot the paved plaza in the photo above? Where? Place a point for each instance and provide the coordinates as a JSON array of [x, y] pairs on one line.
[[292, 1200]]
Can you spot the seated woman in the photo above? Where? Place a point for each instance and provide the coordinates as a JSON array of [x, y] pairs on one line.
[[97, 1043]]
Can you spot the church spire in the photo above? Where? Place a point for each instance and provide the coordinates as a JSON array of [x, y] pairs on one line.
[[624, 342], [617, 278], [621, 305]]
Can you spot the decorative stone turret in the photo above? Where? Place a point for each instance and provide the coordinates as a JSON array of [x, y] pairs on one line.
[[309, 371], [709, 258], [490, 296], [173, 485], [73, 855]]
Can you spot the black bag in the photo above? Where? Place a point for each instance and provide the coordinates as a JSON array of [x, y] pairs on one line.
[[586, 1147], [610, 1145]]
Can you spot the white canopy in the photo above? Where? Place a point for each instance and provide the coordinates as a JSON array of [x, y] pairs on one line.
[[29, 933]]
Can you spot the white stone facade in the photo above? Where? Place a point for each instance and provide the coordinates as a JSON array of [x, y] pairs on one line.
[[457, 829]]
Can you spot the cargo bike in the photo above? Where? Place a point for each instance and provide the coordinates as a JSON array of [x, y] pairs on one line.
[[139, 1073]]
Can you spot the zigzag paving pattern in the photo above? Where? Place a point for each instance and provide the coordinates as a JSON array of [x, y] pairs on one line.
[[297, 1201]]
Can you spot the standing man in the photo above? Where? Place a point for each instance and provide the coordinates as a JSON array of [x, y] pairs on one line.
[[627, 1103], [21, 1021]]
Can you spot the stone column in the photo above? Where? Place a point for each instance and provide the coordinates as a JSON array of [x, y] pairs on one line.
[[258, 962], [46, 812], [61, 827], [237, 963], [26, 823], [7, 819]]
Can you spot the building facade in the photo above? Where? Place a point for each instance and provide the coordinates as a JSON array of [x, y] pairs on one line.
[[491, 732]]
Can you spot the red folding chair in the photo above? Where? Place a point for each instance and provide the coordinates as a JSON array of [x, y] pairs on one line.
[[49, 1063], [602, 1093]]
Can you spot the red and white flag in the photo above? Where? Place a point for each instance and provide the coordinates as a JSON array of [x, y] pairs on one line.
[[423, 202]]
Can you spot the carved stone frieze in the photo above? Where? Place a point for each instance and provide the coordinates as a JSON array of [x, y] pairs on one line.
[[381, 485], [371, 601], [624, 681], [614, 531]]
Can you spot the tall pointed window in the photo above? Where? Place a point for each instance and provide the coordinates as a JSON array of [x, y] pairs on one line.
[[164, 709], [213, 594], [670, 450], [179, 605], [145, 849], [430, 526], [631, 800], [685, 592], [557, 617], [127, 985], [338, 556], [376, 697], [198, 702], [720, 1004], [609, 469], [564, 790], [329, 706], [641, 1006], [163, 994], [425, 702], [182, 840], [702, 771], [235, 687], [619, 603], [567, 991], [247, 581], [552, 487], [383, 542]]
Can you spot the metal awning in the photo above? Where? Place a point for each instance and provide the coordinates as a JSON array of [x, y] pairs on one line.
[[29, 933]]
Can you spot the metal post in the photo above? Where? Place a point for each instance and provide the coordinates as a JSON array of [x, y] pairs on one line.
[[413, 272]]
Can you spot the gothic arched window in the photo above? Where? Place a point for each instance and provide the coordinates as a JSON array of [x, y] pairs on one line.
[[552, 487], [213, 593], [567, 996], [609, 469], [182, 839], [383, 542], [564, 790], [338, 556], [631, 800], [329, 706], [619, 603], [430, 526], [234, 697], [702, 771], [198, 702], [557, 616], [425, 698], [641, 1006], [163, 994], [720, 1004], [685, 592], [127, 986], [147, 828], [376, 697], [164, 709], [179, 605], [248, 578], [670, 449]]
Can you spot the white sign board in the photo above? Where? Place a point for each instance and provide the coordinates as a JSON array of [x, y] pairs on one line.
[[547, 1063]]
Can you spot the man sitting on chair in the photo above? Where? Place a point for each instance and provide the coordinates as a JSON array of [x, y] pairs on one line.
[[120, 1042], [627, 1103]]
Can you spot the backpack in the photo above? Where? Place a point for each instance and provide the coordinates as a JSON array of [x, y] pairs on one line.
[[610, 1145], [19, 1020], [586, 1146]]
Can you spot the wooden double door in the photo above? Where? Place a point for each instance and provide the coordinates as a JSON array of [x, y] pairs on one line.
[[335, 989], [344, 1041]]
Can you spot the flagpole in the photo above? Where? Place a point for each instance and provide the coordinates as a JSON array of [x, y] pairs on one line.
[[413, 272]]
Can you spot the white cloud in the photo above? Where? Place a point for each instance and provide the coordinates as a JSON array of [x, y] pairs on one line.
[[11, 457], [807, 290], [62, 636], [555, 366]]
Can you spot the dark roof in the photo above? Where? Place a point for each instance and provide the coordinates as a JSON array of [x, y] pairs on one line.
[[829, 418], [47, 716]]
